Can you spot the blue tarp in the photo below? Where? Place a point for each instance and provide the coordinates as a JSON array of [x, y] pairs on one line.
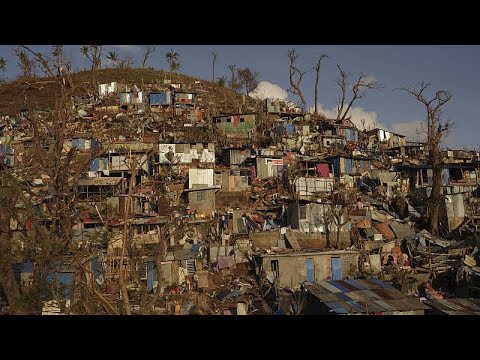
[[157, 99], [348, 168], [96, 267], [336, 166], [290, 128], [152, 275], [64, 281], [95, 165]]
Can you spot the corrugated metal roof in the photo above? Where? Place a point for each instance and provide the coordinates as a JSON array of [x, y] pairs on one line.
[[355, 283], [456, 306], [363, 296]]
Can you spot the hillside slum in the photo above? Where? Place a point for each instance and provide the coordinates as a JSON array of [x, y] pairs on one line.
[[251, 208]]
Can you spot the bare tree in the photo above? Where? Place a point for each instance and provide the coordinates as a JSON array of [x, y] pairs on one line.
[[317, 78], [94, 54], [84, 51], [125, 62], [342, 205], [214, 60], [359, 90], [54, 230], [248, 78], [437, 129], [8, 198], [296, 76], [147, 53], [233, 82]]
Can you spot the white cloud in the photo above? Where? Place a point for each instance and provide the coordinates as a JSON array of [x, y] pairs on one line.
[[368, 79], [357, 115], [267, 89], [128, 48], [413, 130]]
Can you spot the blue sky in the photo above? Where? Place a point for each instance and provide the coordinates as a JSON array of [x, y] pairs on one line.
[[450, 67]]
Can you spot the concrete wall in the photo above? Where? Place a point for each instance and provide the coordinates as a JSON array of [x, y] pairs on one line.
[[203, 177], [314, 222], [203, 201], [265, 168], [231, 183], [239, 126], [293, 272]]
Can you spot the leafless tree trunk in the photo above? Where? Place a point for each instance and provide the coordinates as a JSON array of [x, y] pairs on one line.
[[8, 198], [214, 60], [317, 78], [359, 90], [295, 76], [437, 129], [147, 53], [53, 234], [342, 203], [233, 83]]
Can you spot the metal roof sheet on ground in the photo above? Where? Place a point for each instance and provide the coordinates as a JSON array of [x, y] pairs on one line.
[[384, 294], [369, 283], [346, 285], [355, 283], [335, 306], [376, 296], [325, 297], [344, 296], [385, 305], [356, 295], [357, 305], [412, 303], [448, 305], [471, 304], [329, 287], [369, 294], [339, 286], [379, 283], [372, 307]]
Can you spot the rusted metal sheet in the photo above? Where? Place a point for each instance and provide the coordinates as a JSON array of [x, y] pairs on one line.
[[385, 231], [364, 224]]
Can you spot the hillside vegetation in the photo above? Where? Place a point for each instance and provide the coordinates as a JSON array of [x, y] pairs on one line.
[[40, 92]]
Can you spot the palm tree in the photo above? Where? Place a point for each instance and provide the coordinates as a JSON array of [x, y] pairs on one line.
[[173, 60], [3, 66], [222, 81], [113, 56]]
